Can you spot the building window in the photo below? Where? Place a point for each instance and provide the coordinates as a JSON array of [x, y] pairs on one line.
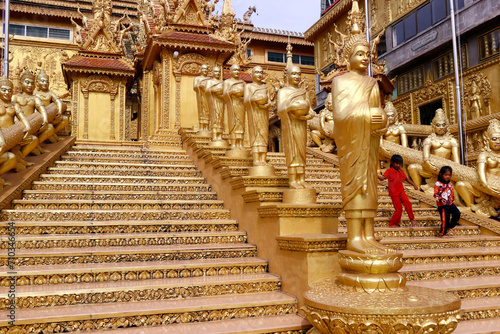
[[488, 44], [443, 66], [249, 53], [410, 80], [38, 32], [279, 57], [428, 111], [422, 19], [382, 46]]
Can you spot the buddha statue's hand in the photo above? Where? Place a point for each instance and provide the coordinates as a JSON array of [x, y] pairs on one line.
[[43, 127], [26, 132], [429, 165]]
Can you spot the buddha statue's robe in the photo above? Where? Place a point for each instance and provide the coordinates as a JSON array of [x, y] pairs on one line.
[[258, 117]]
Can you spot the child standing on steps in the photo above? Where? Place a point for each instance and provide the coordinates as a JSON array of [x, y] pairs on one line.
[[443, 193], [395, 176]]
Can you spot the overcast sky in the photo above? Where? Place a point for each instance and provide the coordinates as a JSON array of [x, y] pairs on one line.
[[293, 15]]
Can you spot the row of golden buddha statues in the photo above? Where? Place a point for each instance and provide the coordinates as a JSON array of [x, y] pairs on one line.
[[25, 120]]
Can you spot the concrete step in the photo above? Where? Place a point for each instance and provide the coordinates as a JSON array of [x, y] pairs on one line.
[[117, 226], [117, 195], [85, 273], [121, 239], [125, 172], [58, 178], [144, 313], [92, 255], [417, 231], [35, 296], [440, 243], [464, 287], [102, 148], [172, 154], [131, 186], [146, 160], [130, 166], [450, 255], [488, 326], [481, 308], [431, 271], [36, 204], [290, 323], [109, 214]]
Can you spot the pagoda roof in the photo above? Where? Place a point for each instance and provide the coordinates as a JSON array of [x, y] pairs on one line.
[[96, 63]]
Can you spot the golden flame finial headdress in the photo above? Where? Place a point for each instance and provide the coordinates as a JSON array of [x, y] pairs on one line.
[[440, 117], [27, 74], [494, 127], [390, 107], [4, 81], [41, 75]]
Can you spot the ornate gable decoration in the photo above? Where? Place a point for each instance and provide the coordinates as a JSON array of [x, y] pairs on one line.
[[100, 34], [191, 12]]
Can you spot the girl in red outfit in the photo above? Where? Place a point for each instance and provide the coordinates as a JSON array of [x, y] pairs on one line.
[[396, 175], [443, 193]]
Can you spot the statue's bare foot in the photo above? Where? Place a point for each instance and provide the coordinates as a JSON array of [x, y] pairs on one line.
[[380, 246], [362, 246]]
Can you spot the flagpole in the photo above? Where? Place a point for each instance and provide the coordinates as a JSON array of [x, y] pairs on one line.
[[6, 21], [367, 28], [457, 84]]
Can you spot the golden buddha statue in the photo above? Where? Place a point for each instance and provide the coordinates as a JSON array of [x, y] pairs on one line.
[[199, 85], [322, 127], [294, 109], [488, 164], [440, 143], [360, 121], [256, 101], [30, 103], [213, 92], [233, 96], [47, 97]]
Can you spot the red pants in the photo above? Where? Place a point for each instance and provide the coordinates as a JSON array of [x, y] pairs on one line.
[[396, 201]]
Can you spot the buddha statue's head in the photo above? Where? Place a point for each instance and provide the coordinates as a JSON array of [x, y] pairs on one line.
[[216, 72], [356, 51], [42, 80], [257, 74], [294, 75], [204, 69], [440, 122], [235, 71], [392, 113], [492, 136], [329, 102], [5, 89], [27, 82]]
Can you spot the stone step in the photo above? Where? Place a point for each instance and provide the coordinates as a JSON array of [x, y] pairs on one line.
[[161, 161], [417, 231], [30, 257], [117, 195], [171, 154], [117, 226], [431, 271], [51, 215], [488, 326], [285, 324], [124, 172], [36, 204], [132, 187], [36, 296], [464, 287], [130, 271], [337, 195], [440, 243], [385, 204], [450, 255], [334, 186], [405, 221], [121, 239], [57, 178], [481, 308], [387, 212], [101, 148], [144, 313]]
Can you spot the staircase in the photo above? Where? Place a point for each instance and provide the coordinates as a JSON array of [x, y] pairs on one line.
[[132, 239]]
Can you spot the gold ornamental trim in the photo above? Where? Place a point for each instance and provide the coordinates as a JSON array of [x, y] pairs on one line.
[[263, 181], [312, 246], [297, 210]]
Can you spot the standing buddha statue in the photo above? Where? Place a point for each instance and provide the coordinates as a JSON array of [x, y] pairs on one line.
[[256, 101], [213, 92], [440, 143], [233, 96], [294, 109], [47, 97], [199, 85]]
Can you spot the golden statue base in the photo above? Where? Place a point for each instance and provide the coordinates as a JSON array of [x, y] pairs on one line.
[[332, 308], [219, 143], [238, 154], [266, 170], [300, 196]]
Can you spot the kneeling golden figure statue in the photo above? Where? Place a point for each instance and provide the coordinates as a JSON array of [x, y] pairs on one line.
[[322, 127], [294, 110], [369, 295], [47, 96], [440, 143]]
